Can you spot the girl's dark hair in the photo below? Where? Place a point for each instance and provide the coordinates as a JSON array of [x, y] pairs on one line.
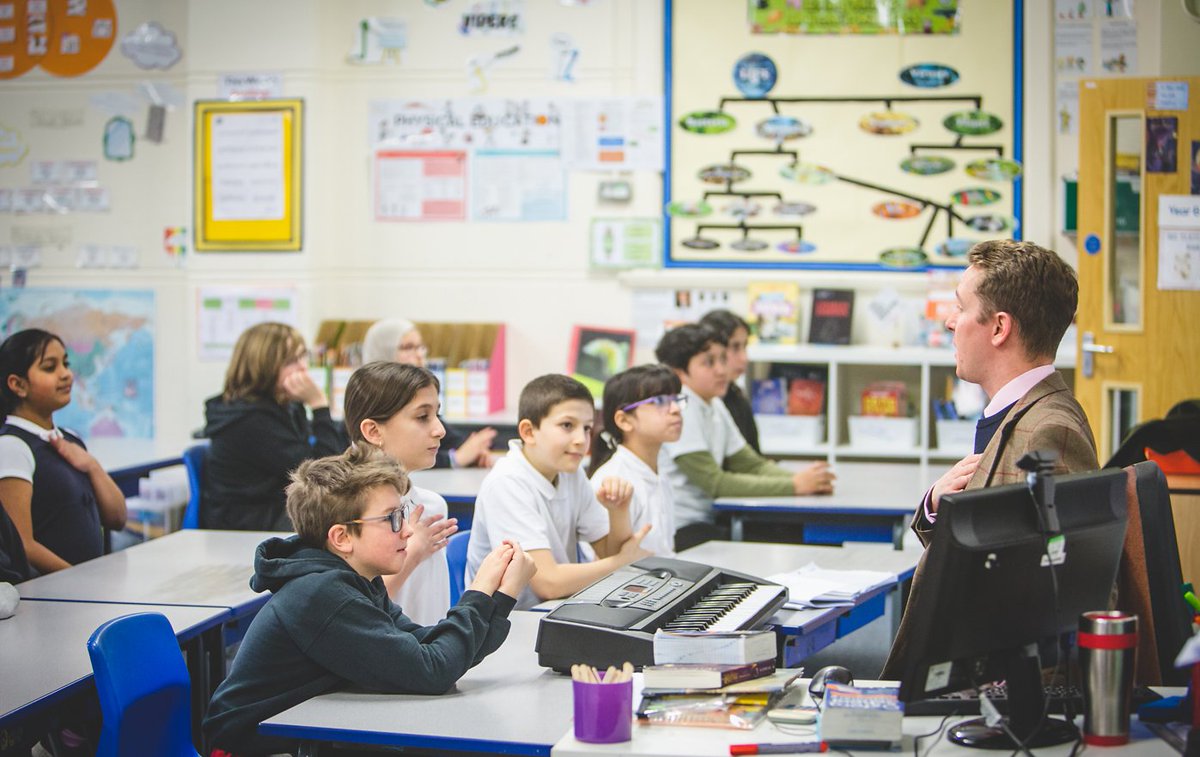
[[637, 383], [377, 391], [18, 354], [682, 343], [724, 322]]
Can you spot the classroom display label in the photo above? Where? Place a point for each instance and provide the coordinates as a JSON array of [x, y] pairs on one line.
[[994, 169], [707, 122], [926, 165], [887, 123], [973, 123], [754, 75], [928, 75]]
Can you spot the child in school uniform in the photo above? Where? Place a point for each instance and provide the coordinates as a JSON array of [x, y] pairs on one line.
[[56, 493], [711, 459], [394, 407], [399, 340], [259, 430], [330, 624], [642, 410], [736, 332], [537, 495]]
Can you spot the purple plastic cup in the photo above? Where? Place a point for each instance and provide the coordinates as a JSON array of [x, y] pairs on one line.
[[603, 712]]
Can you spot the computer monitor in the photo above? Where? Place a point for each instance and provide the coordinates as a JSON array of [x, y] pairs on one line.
[[995, 585]]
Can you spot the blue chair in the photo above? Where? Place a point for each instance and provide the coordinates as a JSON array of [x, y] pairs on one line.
[[194, 458], [142, 682], [456, 555]]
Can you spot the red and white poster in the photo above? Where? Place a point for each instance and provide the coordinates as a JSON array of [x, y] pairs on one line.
[[418, 185]]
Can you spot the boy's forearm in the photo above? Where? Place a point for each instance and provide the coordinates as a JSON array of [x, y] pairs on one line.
[[567, 578], [746, 460], [620, 529]]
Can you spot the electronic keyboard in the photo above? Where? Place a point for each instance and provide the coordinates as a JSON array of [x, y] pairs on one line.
[[614, 620]]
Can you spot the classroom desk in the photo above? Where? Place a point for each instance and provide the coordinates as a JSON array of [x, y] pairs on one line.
[[507, 704], [668, 741], [866, 497], [806, 632], [456, 485], [43, 650]]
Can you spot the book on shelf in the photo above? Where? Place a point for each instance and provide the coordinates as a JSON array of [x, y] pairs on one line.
[[677, 676], [774, 311], [720, 648], [769, 396], [805, 396], [888, 398], [831, 313]]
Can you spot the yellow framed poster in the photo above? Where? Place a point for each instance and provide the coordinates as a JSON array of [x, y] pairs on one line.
[[248, 172]]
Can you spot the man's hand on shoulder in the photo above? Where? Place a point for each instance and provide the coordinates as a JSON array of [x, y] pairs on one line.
[[954, 480]]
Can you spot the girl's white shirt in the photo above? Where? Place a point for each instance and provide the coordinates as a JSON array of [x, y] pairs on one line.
[[425, 594], [653, 501]]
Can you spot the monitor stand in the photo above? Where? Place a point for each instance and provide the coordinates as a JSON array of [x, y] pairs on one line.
[[1026, 703]]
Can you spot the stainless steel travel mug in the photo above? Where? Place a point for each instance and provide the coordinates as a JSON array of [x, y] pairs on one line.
[[1107, 650]]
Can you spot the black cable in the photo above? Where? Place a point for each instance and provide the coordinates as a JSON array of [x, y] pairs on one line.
[[935, 732]]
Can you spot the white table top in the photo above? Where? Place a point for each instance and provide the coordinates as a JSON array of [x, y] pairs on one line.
[[765, 559], [508, 701], [455, 484], [867, 487], [192, 567], [674, 741], [43, 647]]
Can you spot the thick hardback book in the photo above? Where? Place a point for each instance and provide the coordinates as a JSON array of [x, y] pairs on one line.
[[769, 397], [723, 648], [831, 313], [698, 676]]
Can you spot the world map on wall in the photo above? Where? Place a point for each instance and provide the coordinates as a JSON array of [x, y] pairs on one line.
[[109, 336]]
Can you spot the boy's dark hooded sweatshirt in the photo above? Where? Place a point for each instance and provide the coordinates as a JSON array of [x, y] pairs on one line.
[[327, 627], [255, 445]]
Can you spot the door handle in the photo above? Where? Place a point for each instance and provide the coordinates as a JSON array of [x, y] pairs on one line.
[[1090, 349]]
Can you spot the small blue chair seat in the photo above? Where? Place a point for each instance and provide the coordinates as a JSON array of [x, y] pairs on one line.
[[143, 686], [194, 458], [456, 556]]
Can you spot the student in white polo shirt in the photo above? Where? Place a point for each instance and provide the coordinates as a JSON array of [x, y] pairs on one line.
[[643, 409], [538, 496]]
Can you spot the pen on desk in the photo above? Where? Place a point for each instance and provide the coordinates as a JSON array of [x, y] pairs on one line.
[[795, 748]]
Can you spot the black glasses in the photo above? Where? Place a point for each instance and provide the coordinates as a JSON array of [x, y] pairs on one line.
[[397, 518], [660, 401]]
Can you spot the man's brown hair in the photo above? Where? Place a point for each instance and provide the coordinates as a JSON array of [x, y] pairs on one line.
[[1033, 285], [332, 490]]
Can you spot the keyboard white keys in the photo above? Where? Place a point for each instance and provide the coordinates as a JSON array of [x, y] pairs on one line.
[[744, 611]]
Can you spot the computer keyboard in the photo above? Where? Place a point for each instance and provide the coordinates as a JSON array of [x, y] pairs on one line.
[[1063, 700]]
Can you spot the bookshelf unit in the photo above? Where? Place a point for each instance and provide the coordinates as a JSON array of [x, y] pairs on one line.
[[850, 368]]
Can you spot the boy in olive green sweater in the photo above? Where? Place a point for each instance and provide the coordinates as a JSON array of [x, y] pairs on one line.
[[711, 458]]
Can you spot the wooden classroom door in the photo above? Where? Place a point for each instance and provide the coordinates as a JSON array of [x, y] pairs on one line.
[[1139, 322]]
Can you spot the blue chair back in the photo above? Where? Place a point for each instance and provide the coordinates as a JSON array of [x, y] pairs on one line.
[[194, 458], [142, 683], [456, 556]]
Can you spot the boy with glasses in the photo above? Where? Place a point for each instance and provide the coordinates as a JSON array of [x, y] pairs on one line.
[[711, 458], [330, 623]]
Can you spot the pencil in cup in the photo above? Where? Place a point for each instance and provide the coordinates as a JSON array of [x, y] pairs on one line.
[[603, 703]]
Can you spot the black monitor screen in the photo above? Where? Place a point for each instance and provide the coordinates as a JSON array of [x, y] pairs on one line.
[[993, 583]]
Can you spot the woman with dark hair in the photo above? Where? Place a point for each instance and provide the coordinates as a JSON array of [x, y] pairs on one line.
[[58, 496]]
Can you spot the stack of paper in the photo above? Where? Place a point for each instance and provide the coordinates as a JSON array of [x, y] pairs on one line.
[[813, 586]]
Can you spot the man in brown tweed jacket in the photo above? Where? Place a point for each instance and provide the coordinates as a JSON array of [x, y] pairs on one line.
[[1015, 302]]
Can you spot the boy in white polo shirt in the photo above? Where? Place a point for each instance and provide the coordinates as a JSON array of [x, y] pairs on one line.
[[711, 458], [538, 495]]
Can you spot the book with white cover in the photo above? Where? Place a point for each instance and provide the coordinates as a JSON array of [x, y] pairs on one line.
[[718, 648], [813, 586]]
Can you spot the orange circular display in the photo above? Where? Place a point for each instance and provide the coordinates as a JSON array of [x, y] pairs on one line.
[[81, 34], [31, 39]]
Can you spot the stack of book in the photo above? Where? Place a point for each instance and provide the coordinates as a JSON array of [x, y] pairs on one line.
[[814, 587], [718, 680]]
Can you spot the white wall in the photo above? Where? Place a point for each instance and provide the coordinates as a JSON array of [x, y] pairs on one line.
[[533, 276]]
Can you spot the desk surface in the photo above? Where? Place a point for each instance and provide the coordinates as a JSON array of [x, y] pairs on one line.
[[459, 485], [883, 488], [765, 559], [44, 647], [508, 704], [194, 568]]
